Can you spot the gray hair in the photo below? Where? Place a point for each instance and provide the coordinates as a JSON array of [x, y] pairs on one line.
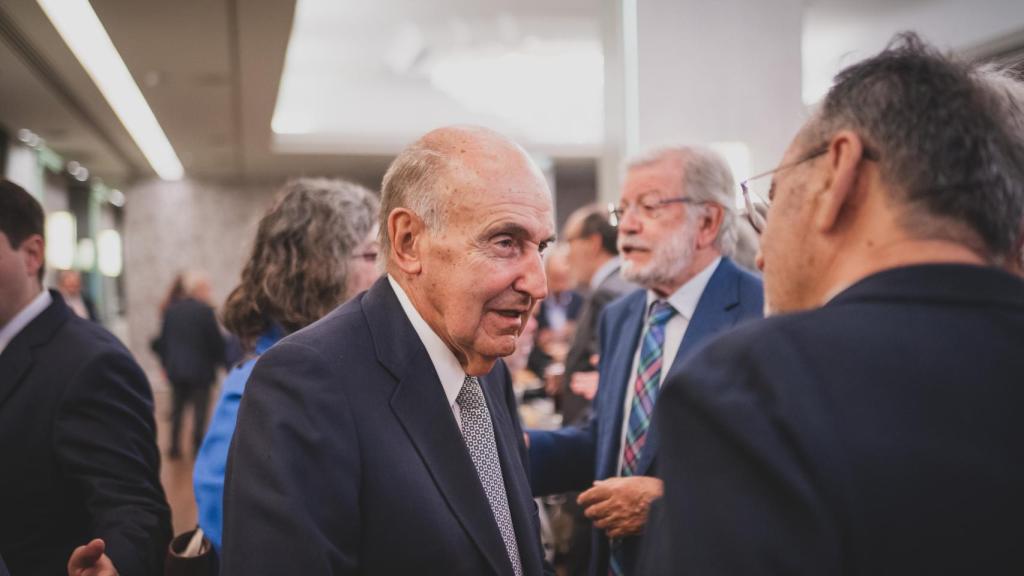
[[411, 182], [1009, 90], [706, 178], [942, 141]]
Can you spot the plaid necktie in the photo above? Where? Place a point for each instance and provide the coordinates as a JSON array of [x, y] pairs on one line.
[[478, 433], [648, 378]]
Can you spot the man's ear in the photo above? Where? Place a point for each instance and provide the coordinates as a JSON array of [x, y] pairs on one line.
[[843, 159], [34, 249], [406, 231], [708, 224]]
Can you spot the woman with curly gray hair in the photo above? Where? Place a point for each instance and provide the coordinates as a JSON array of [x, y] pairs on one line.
[[315, 248]]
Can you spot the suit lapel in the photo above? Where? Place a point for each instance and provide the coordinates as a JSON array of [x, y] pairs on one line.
[[16, 359], [617, 377], [520, 498], [420, 405], [716, 310]]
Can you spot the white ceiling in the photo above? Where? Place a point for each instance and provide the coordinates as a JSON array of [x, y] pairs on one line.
[[838, 33], [211, 72]]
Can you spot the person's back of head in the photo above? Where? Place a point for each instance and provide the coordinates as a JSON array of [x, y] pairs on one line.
[[944, 150], [304, 257], [22, 260], [909, 160], [1008, 89]]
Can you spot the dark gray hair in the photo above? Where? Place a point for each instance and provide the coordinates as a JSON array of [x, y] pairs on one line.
[[706, 178], [942, 141]]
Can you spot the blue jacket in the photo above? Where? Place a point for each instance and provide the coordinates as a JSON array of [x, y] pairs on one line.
[[571, 459], [208, 474]]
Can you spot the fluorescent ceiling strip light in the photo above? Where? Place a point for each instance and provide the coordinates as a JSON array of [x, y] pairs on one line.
[[84, 34]]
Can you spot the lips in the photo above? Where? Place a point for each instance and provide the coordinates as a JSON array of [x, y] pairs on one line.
[[630, 248]]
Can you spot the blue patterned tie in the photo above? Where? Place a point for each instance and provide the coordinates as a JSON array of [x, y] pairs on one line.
[[645, 388], [478, 433]]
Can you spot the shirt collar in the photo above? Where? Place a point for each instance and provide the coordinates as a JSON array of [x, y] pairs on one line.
[[29, 313], [685, 299], [447, 366], [604, 272]]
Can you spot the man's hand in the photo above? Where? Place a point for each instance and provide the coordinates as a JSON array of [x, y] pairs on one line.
[[619, 506], [90, 560], [584, 384]]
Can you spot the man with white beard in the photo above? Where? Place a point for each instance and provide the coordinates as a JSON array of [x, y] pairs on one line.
[[677, 226]]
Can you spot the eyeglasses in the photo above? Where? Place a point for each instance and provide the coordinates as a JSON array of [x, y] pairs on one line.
[[758, 191], [649, 209]]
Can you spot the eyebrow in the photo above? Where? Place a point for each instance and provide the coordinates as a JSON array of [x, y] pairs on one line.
[[517, 230]]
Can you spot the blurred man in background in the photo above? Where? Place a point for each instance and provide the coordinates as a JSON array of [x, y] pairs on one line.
[[595, 265], [69, 284], [192, 347]]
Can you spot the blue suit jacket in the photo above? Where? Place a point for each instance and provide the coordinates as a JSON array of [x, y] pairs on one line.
[[347, 459], [572, 458], [880, 434]]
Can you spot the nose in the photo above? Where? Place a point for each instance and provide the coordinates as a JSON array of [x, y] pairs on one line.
[[629, 222], [532, 281]]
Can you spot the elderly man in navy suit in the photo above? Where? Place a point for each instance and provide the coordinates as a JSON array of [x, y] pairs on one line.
[[874, 425], [676, 224], [384, 438]]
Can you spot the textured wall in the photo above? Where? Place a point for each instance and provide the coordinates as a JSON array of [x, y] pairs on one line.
[[170, 226]]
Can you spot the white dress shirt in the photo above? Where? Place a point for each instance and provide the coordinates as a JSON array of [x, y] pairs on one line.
[[684, 300], [447, 366], [604, 272], [23, 318]]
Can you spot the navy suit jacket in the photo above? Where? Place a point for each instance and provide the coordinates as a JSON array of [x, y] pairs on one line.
[[572, 458], [78, 446], [347, 458], [880, 434]]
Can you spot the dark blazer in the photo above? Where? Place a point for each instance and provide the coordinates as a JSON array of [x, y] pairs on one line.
[[191, 345], [572, 458], [347, 458], [575, 408], [78, 443], [880, 434]]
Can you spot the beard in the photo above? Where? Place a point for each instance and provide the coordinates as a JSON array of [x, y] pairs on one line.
[[669, 258]]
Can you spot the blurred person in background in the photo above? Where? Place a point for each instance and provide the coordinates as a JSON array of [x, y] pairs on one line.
[[872, 425], [192, 347], [676, 229], [69, 284], [80, 486], [315, 248], [596, 268], [556, 317]]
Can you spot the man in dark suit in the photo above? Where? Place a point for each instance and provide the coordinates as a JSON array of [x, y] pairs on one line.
[[594, 260], [69, 284], [384, 438], [675, 222], [77, 436], [873, 426], [191, 348]]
